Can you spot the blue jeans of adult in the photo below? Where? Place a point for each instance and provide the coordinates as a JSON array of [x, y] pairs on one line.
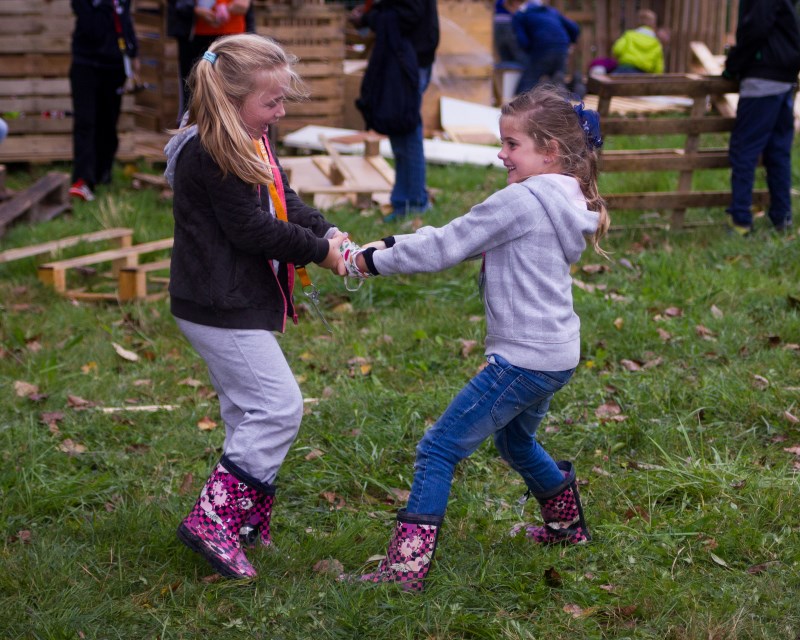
[[409, 194], [764, 126], [502, 401], [545, 63]]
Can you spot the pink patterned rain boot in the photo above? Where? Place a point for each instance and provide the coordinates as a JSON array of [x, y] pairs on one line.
[[212, 527], [562, 513], [410, 552], [256, 532]]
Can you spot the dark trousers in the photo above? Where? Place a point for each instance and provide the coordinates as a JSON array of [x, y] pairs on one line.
[[764, 126], [96, 103]]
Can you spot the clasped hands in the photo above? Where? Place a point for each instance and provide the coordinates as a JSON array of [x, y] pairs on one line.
[[338, 256]]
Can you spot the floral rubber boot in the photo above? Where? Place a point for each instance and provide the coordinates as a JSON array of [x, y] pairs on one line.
[[410, 552], [212, 527], [256, 529], [562, 513]]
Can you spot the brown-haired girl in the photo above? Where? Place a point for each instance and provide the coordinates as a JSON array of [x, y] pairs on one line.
[[529, 234], [239, 231]]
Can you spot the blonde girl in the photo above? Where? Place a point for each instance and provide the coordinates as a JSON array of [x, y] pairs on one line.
[[240, 233]]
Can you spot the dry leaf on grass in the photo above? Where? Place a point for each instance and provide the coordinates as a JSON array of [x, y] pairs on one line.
[[71, 448], [336, 501], [760, 382], [206, 424], [25, 389], [333, 567], [314, 454], [123, 353]]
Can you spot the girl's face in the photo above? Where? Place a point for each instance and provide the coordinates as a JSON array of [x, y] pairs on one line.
[[264, 105], [519, 154]]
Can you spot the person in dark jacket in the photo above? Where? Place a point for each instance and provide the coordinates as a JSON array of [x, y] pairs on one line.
[[239, 232], [104, 49], [418, 21], [766, 61], [545, 35]]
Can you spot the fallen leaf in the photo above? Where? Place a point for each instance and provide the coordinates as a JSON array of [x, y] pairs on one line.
[[716, 311], [573, 609], [760, 382], [71, 448], [191, 382], [399, 495], [206, 424], [607, 410], [552, 578], [344, 307], [467, 347], [704, 332], [637, 511], [89, 367], [755, 569], [630, 365], [314, 454], [144, 382], [187, 485], [608, 587], [795, 450], [594, 268], [673, 312], [51, 419], [78, 403], [25, 389], [334, 567], [336, 501], [665, 336], [600, 471], [619, 323], [791, 417], [122, 352], [718, 560]]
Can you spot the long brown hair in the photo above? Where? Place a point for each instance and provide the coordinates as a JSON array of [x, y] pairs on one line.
[[219, 89], [546, 115]]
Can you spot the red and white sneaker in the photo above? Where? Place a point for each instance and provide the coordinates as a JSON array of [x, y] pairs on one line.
[[81, 190]]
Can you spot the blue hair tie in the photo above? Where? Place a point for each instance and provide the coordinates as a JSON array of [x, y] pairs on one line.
[[590, 123], [210, 56]]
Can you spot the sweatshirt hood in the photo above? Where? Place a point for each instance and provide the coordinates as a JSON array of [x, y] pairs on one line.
[[173, 149], [565, 206]]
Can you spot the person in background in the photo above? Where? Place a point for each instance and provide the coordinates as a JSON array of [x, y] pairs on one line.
[[3, 129], [765, 60], [193, 24], [506, 46], [529, 234], [640, 50], [418, 20], [104, 55], [545, 35]]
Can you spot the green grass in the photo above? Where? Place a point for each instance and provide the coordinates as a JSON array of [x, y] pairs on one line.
[[691, 497]]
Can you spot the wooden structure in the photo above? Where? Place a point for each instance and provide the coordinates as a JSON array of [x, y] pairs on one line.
[[131, 276], [42, 201], [689, 159], [119, 236]]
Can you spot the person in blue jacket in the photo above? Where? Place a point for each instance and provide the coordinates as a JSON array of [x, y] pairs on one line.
[[766, 61], [546, 36]]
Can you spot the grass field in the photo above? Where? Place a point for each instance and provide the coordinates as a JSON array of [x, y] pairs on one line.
[[682, 420]]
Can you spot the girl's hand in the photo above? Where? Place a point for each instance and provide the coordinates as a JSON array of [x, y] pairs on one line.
[[361, 263], [334, 260]]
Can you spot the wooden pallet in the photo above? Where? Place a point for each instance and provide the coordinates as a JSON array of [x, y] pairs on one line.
[[131, 276], [119, 236], [42, 201]]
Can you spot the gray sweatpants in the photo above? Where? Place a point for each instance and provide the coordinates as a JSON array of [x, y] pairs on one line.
[[260, 401]]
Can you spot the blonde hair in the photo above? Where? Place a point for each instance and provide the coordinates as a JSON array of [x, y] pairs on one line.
[[219, 89], [546, 115]]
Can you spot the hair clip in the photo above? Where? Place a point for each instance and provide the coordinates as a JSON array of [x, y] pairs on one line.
[[210, 56], [590, 123]]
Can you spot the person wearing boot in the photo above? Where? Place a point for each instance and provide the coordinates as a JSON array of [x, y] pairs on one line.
[[239, 232], [529, 234]]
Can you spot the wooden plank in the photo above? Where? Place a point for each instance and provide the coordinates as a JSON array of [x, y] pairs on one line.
[[132, 283], [42, 201], [121, 236], [668, 84], [112, 254], [666, 126], [726, 103], [663, 160], [650, 200]]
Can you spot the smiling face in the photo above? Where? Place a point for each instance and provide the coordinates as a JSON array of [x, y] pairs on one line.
[[264, 105], [519, 154]]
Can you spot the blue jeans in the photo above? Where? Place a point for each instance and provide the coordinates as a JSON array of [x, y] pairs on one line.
[[764, 126], [503, 401], [409, 193]]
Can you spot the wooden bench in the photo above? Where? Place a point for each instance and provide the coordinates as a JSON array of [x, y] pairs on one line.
[[124, 260], [702, 90], [119, 236]]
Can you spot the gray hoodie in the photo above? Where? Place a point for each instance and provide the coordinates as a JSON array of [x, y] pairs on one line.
[[530, 233]]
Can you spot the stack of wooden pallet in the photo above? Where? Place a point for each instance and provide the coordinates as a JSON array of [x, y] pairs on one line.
[[35, 97], [314, 32]]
